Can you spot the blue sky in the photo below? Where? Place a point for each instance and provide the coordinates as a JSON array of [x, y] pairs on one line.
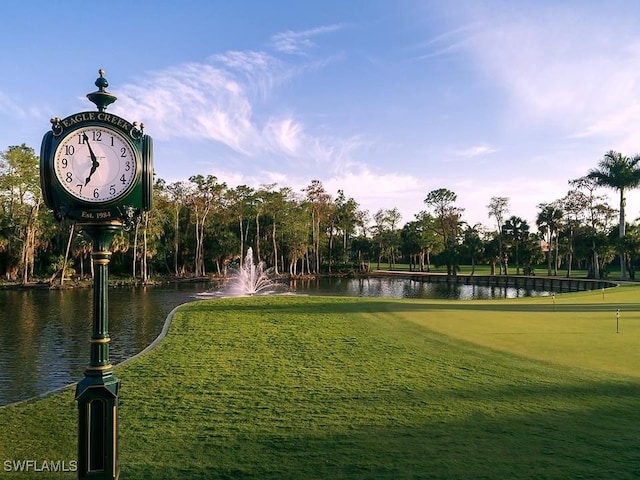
[[386, 100]]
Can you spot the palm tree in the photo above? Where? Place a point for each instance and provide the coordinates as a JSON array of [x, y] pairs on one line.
[[516, 230], [472, 244], [548, 222], [620, 173]]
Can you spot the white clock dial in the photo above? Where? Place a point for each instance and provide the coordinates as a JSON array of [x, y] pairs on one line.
[[95, 164]]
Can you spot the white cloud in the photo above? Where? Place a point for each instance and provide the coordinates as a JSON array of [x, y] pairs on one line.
[[285, 134], [476, 151], [622, 126], [561, 66], [524, 195], [194, 101], [444, 44], [299, 42], [375, 191], [260, 72], [225, 101]]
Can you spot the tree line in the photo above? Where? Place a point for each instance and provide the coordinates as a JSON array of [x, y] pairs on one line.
[[201, 226]]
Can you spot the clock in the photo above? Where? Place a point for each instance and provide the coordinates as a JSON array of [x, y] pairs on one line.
[[97, 167], [96, 164]]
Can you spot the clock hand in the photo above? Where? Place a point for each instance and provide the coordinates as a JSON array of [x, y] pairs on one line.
[[94, 160]]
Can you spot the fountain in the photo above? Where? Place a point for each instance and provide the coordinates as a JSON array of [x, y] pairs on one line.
[[251, 279]]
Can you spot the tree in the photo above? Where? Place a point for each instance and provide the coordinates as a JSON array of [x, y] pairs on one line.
[[258, 208], [472, 245], [277, 205], [239, 201], [574, 206], [620, 173], [82, 247], [386, 235], [295, 233], [516, 230], [548, 222], [632, 247], [380, 236], [319, 201], [410, 243], [530, 253], [447, 217], [65, 261], [493, 252], [347, 221], [152, 223], [498, 208], [430, 241], [21, 199], [177, 193], [393, 219], [207, 197], [598, 217]]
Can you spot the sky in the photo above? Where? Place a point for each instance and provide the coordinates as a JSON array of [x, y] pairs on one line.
[[385, 100]]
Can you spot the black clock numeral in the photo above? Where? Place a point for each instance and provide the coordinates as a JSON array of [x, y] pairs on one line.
[[112, 140], [123, 152], [123, 179], [81, 139], [80, 188], [69, 149], [112, 189], [69, 177], [65, 163], [96, 193], [127, 166], [97, 136]]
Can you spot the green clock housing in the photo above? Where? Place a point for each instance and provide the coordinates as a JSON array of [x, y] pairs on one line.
[[96, 166]]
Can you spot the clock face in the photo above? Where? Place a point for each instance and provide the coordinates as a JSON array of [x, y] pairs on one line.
[[95, 164]]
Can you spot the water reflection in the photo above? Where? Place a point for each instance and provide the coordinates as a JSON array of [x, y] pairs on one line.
[[44, 334], [407, 288]]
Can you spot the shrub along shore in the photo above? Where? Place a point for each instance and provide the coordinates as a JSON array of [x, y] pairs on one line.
[[296, 387]]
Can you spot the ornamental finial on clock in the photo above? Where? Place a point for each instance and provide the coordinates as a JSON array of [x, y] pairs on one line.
[[56, 126], [101, 97]]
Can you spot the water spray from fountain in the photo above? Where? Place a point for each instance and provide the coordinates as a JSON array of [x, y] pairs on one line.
[[252, 279]]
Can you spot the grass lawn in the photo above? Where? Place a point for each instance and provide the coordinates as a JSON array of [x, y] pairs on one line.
[[298, 387]]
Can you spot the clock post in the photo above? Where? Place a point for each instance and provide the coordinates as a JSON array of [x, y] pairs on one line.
[[97, 393], [97, 169]]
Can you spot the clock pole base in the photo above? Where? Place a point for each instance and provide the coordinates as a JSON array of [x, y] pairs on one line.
[[97, 398]]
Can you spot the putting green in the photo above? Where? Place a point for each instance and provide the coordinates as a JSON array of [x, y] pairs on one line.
[[593, 330]]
